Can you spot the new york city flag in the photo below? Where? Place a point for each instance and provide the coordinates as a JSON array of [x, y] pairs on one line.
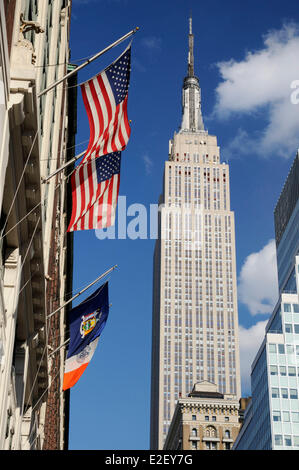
[[87, 322]]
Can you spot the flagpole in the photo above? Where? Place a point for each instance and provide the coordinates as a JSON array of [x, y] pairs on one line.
[[73, 160], [59, 347], [88, 61], [81, 291]]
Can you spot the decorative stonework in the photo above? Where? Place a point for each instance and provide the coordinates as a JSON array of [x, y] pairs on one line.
[[24, 52]]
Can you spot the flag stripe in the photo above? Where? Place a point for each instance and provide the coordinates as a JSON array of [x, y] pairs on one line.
[[89, 115], [106, 94], [107, 115], [99, 211], [105, 98], [97, 114], [71, 378]]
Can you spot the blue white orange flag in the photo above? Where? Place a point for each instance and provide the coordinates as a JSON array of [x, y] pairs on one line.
[[87, 322], [105, 98]]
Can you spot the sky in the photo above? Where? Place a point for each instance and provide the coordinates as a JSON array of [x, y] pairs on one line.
[[246, 58]]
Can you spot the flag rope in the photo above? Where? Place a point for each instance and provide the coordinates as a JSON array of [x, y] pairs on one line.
[[30, 243], [19, 184], [88, 61], [83, 290], [66, 148], [33, 209], [69, 162], [33, 408]]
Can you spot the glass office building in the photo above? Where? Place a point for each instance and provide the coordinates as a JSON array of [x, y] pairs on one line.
[[271, 420]]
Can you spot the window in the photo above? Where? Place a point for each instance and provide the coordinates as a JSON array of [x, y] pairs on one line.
[[296, 441], [227, 434], [292, 371], [227, 446], [206, 418], [272, 348], [287, 307], [276, 416], [194, 432], [193, 417], [210, 432], [213, 418], [296, 329], [283, 370], [211, 445], [273, 370], [275, 392], [288, 328], [286, 416], [295, 416], [194, 444], [287, 441], [296, 308], [284, 393], [278, 439], [293, 393], [281, 348], [226, 418]]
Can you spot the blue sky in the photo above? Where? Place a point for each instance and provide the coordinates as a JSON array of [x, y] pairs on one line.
[[246, 57]]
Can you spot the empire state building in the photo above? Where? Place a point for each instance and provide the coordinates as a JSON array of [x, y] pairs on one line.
[[195, 316]]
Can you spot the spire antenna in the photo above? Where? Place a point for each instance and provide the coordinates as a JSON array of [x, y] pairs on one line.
[[192, 117], [191, 50]]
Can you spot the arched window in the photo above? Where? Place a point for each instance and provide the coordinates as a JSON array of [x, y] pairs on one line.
[[227, 434], [194, 432], [211, 432]]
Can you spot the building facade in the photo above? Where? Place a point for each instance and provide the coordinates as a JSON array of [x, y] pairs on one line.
[[195, 317], [272, 419], [36, 254], [205, 420]]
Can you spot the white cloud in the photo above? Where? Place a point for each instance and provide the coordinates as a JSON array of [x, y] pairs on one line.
[[258, 285], [152, 42], [148, 164], [250, 341], [263, 80]]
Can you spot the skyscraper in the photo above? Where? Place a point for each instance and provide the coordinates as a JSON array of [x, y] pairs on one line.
[[195, 318], [271, 420]]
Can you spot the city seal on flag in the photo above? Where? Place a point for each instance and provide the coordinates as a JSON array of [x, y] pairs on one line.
[[89, 322]]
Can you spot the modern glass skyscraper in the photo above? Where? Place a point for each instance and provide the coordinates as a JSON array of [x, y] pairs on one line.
[[272, 418], [195, 318]]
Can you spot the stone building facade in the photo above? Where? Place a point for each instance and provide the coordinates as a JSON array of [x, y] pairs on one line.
[[205, 420], [36, 253]]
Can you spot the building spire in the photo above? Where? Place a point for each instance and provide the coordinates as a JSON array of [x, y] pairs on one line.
[[191, 49], [192, 117]]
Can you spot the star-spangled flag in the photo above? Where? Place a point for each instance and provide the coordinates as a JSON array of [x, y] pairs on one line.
[[87, 322], [105, 98], [95, 187]]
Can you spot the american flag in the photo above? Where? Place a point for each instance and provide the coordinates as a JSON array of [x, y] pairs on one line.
[[95, 186], [105, 98]]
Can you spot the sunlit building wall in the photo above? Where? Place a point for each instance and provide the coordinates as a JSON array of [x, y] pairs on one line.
[[195, 315]]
